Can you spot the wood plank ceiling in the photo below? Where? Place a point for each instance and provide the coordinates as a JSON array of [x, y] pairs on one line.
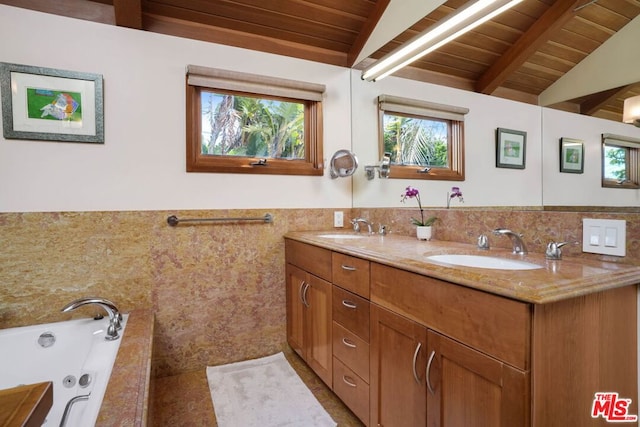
[[516, 55]]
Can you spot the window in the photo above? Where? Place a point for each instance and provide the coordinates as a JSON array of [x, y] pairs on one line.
[[246, 123], [425, 140], [620, 164]]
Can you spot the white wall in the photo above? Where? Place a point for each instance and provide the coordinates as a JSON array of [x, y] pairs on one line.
[[141, 166], [484, 185], [569, 189]]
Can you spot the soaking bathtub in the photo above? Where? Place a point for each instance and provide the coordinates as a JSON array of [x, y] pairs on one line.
[[95, 381]]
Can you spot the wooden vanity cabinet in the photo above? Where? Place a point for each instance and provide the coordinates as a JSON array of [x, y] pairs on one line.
[[398, 362], [351, 273], [456, 383], [309, 306], [426, 352], [351, 351], [422, 378], [468, 388], [493, 361]]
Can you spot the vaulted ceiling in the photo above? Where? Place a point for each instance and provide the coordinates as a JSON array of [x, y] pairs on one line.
[[546, 52]]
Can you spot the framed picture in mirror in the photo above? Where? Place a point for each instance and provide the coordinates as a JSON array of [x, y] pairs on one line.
[[511, 148], [571, 155]]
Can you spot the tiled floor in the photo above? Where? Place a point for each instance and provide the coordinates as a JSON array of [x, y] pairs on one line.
[[184, 400]]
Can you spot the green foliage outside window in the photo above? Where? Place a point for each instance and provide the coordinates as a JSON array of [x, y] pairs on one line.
[[414, 141], [252, 127], [616, 168]]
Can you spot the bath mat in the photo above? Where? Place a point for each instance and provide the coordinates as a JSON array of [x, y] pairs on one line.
[[264, 392]]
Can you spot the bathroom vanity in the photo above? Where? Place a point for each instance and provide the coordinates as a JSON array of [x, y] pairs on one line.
[[405, 341]]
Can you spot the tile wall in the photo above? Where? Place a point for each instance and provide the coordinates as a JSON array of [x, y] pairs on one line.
[[217, 289]]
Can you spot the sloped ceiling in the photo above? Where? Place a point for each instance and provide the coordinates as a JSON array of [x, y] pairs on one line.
[[578, 55]]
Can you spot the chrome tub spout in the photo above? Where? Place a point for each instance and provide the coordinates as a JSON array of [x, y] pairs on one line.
[[115, 317]]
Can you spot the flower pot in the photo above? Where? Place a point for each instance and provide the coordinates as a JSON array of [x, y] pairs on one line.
[[424, 232]]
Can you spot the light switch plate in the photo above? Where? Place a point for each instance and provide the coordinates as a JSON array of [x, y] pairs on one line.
[[604, 236]]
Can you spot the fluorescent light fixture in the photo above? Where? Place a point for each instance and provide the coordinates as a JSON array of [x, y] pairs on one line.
[[465, 19], [631, 112]]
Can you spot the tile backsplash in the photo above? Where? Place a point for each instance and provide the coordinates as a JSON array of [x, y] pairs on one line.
[[217, 289]]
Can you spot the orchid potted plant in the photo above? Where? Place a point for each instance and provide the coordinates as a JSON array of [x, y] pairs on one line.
[[423, 228]]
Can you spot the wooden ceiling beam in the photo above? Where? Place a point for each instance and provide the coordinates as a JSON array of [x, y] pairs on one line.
[[597, 101], [539, 33], [364, 34], [224, 36], [128, 13]]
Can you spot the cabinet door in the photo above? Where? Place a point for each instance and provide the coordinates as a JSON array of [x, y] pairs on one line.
[[398, 359], [296, 280], [466, 387], [318, 327]]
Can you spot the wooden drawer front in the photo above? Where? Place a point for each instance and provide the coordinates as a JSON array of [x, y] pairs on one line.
[[351, 273], [351, 350], [351, 389], [490, 323], [313, 259], [352, 312]]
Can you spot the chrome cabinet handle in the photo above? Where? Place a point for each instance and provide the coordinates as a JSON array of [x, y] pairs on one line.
[[304, 295], [349, 304], [348, 381], [415, 358], [348, 343], [428, 373], [348, 267]]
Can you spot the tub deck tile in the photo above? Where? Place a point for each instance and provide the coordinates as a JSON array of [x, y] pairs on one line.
[[126, 400]]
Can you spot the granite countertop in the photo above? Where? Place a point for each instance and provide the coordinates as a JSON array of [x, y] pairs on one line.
[[556, 280]]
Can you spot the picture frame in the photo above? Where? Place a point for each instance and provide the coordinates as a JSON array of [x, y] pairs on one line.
[[50, 104], [511, 148], [571, 155]]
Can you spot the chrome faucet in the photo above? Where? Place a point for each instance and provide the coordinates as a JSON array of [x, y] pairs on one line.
[[553, 250], [516, 240], [356, 224], [115, 318]]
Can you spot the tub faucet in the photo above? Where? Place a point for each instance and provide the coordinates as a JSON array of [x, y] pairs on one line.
[[115, 317], [516, 240], [356, 224]]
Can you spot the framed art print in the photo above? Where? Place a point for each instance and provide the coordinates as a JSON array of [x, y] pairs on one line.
[[52, 105], [510, 148], [571, 155]]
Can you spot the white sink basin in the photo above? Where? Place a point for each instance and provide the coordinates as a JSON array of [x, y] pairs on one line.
[[342, 236], [480, 261]]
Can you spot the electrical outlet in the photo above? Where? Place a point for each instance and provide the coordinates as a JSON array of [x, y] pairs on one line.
[[338, 219]]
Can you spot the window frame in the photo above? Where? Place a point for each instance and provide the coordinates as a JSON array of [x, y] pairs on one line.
[[632, 160], [452, 115], [199, 79]]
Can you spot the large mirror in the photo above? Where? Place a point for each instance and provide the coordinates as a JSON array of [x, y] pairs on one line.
[[540, 185]]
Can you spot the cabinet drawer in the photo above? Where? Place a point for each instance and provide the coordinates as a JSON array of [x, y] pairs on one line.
[[313, 259], [351, 273], [492, 324], [352, 312], [352, 390], [351, 350]]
